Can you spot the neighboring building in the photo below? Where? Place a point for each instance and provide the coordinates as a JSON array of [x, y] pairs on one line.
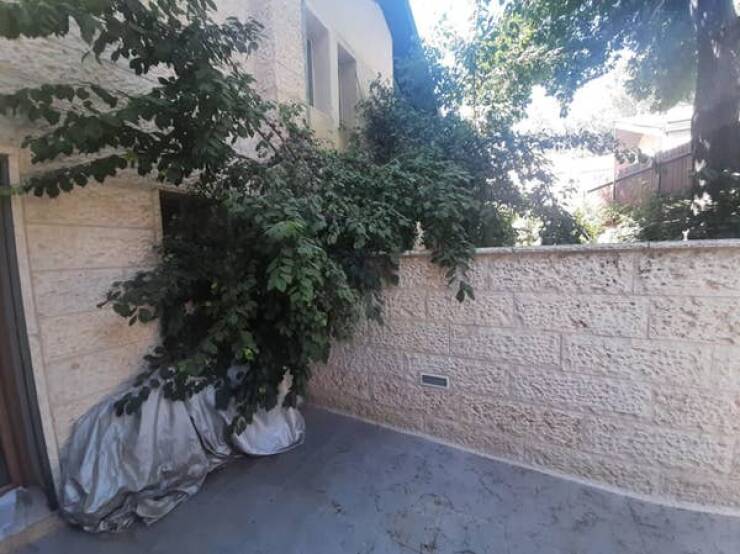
[[652, 134], [60, 354], [664, 142]]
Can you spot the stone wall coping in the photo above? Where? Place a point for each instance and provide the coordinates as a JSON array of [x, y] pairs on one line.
[[596, 248]]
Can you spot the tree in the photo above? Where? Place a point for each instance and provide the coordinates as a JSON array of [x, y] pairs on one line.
[[490, 85], [292, 242], [677, 50]]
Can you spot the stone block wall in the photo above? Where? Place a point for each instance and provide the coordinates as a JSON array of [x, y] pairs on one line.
[[70, 250], [619, 366]]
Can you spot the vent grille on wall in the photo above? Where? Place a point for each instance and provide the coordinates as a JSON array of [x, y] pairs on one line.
[[436, 381]]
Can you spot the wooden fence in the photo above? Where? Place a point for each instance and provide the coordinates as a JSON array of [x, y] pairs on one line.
[[669, 172]]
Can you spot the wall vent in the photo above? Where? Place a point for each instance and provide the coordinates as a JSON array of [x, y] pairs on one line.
[[436, 381]]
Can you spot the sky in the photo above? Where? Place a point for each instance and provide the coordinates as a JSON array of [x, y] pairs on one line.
[[428, 13]]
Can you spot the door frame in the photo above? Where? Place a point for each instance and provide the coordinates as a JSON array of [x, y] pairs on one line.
[[21, 428]]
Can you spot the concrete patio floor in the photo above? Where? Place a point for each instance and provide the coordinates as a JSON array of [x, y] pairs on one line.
[[355, 488]]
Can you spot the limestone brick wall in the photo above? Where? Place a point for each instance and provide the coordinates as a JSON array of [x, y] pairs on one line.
[[72, 248], [619, 366]]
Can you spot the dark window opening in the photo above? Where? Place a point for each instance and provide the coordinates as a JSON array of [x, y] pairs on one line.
[[182, 211], [309, 74]]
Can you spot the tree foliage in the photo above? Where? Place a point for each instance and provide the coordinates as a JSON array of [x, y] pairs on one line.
[[489, 83], [583, 39], [289, 242], [396, 129], [682, 216], [676, 50]]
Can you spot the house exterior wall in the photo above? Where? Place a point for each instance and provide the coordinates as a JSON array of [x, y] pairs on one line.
[[360, 28], [72, 248], [618, 366]]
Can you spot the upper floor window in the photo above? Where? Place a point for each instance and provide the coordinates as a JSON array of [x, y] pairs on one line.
[[309, 73], [349, 88], [318, 64]]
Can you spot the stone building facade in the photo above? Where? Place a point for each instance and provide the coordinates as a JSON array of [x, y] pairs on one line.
[[70, 249]]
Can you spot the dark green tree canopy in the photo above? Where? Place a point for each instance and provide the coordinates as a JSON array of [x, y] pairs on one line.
[[562, 45], [677, 50], [584, 38]]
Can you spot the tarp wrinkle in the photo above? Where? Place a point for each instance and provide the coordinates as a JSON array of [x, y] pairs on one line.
[[119, 470]]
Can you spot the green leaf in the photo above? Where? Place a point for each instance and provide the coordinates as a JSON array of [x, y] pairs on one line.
[[87, 26]]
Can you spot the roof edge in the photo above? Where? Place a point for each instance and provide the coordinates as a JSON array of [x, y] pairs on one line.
[[401, 22]]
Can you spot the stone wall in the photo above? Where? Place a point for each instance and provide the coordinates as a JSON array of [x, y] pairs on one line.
[[70, 250], [618, 366]]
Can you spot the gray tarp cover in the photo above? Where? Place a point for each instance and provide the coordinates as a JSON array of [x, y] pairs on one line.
[[118, 470]]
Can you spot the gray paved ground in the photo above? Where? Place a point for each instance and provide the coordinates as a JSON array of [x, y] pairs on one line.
[[355, 488]]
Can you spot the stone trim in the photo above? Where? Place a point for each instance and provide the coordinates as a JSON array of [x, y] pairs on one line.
[[587, 248]]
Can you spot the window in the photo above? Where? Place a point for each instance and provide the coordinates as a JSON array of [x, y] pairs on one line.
[[182, 213], [318, 66], [309, 74], [348, 88]]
